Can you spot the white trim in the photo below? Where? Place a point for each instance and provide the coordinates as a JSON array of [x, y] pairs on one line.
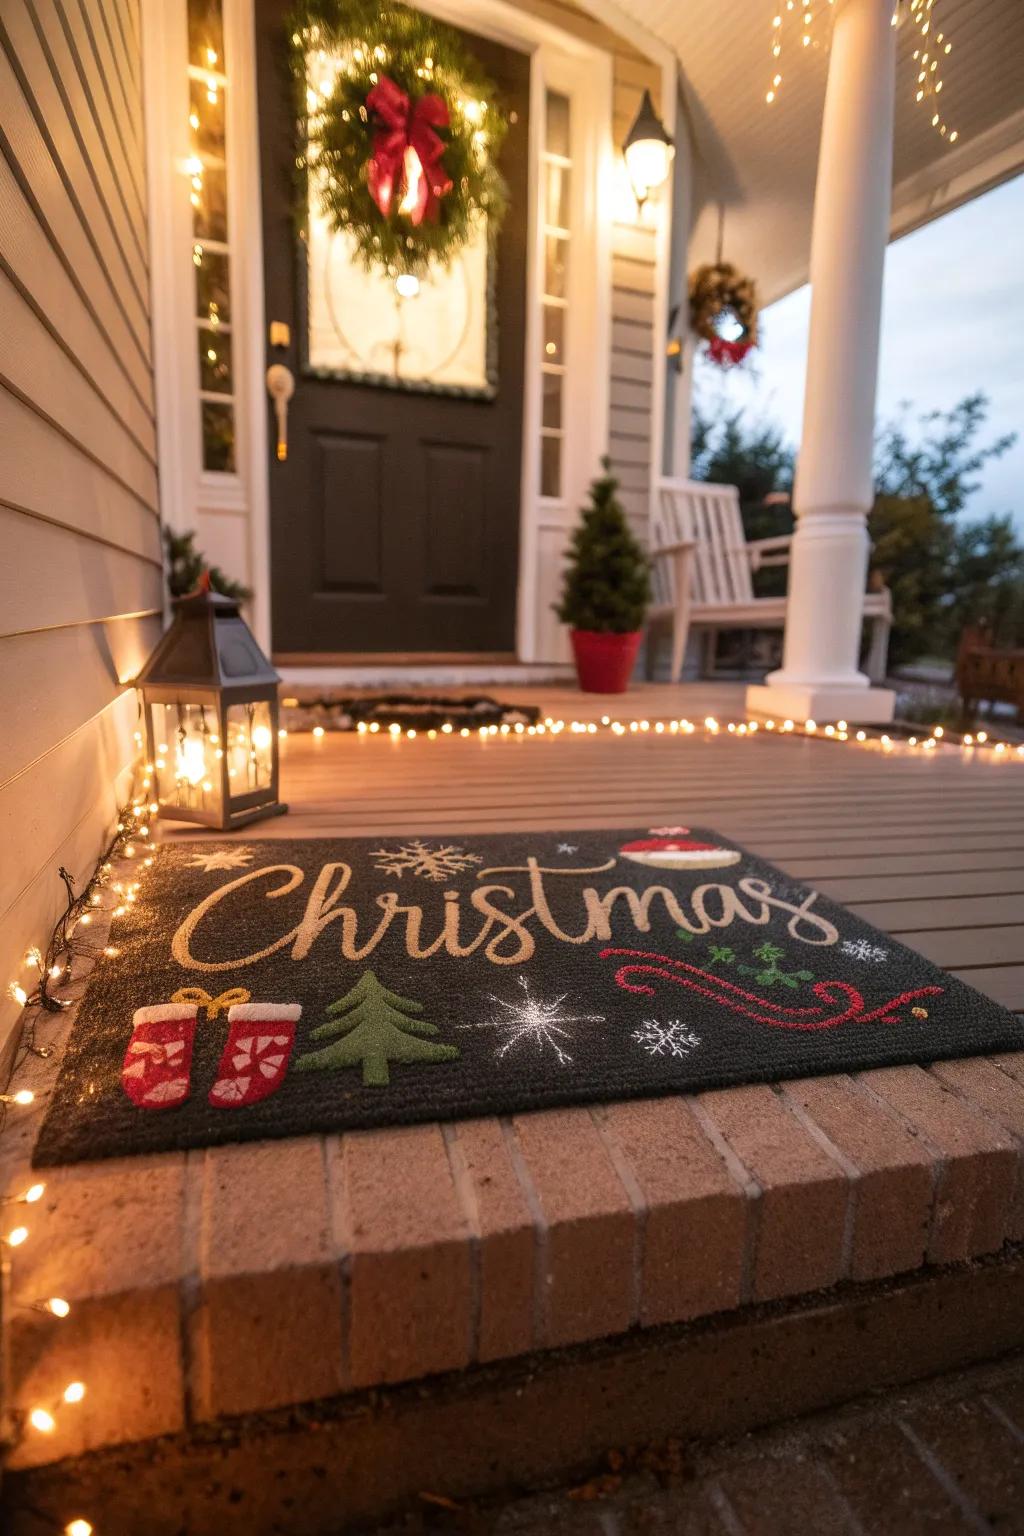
[[165, 103], [584, 74], [245, 210]]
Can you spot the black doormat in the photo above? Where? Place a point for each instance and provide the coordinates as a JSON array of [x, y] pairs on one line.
[[410, 711], [281, 988]]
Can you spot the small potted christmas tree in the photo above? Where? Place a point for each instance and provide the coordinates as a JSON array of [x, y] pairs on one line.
[[606, 593]]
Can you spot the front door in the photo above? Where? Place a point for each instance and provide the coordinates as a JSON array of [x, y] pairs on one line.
[[395, 515]]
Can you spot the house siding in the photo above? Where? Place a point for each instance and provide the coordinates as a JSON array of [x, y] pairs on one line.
[[80, 575]]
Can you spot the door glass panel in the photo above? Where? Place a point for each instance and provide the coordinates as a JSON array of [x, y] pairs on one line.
[[556, 124], [215, 361], [396, 328], [556, 156], [554, 326], [550, 466], [208, 193], [556, 254], [557, 201], [218, 436], [552, 400], [213, 297]]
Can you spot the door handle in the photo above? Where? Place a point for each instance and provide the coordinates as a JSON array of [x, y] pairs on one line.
[[281, 387]]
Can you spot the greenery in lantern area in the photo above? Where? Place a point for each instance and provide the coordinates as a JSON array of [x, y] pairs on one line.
[[723, 312], [186, 567], [400, 127]]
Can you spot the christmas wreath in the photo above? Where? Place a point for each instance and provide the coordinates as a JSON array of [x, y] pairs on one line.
[[723, 312], [400, 127]]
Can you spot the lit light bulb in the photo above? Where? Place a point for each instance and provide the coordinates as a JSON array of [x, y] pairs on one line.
[[58, 1306], [43, 1420], [74, 1391], [23, 1096], [17, 1237], [413, 176], [78, 1528], [407, 285], [34, 1193]]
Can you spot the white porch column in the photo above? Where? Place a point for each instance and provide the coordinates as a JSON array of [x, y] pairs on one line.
[[833, 490]]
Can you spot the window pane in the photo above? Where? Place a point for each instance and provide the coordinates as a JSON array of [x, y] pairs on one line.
[[551, 415], [554, 328], [551, 466], [218, 436], [249, 747], [206, 118], [556, 255], [556, 130], [214, 360], [210, 208], [557, 201], [205, 34], [213, 296]]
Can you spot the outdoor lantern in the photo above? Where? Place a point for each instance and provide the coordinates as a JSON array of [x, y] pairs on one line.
[[648, 150], [210, 700]]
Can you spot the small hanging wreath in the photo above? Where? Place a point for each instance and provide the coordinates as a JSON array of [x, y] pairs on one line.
[[400, 127], [723, 312]]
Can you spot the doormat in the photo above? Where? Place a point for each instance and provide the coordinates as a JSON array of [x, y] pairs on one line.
[[418, 712], [281, 988]]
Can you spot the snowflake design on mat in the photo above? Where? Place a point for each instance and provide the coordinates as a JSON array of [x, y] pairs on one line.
[[528, 1018], [863, 949], [568, 847], [669, 1039], [223, 858], [420, 859]]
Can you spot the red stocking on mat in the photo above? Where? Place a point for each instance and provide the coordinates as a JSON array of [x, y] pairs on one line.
[[255, 1059], [158, 1061]]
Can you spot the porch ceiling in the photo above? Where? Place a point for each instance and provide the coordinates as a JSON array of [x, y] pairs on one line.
[[760, 161]]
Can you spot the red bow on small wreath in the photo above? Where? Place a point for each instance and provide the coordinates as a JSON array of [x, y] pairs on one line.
[[407, 153], [728, 354]]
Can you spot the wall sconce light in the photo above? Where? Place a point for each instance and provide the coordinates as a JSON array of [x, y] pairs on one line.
[[648, 150]]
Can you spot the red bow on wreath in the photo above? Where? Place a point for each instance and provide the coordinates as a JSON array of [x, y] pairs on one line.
[[728, 354], [406, 151]]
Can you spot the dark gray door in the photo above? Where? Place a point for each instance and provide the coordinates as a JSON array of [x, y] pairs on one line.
[[395, 517]]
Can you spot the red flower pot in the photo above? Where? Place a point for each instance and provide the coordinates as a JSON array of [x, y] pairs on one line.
[[604, 663]]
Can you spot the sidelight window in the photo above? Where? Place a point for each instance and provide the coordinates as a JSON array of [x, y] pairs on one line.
[[556, 169], [211, 257]]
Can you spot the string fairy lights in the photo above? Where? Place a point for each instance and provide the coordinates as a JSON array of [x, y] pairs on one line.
[[744, 729], [930, 51], [50, 972], [800, 24]]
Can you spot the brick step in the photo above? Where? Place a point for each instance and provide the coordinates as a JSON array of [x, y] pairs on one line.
[[247, 1278], [543, 1419]]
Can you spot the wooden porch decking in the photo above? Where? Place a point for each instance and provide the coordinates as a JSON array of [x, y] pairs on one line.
[[258, 1276], [927, 846]]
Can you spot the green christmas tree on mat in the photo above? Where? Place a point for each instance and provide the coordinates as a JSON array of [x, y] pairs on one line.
[[376, 1026]]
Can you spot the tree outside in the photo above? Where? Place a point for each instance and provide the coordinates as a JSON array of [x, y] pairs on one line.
[[943, 570]]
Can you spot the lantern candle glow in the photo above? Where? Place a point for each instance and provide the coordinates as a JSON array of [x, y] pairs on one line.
[[210, 704]]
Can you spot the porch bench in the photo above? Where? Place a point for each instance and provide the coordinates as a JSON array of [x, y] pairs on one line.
[[703, 569]]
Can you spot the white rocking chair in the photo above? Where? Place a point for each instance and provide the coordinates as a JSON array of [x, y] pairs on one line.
[[703, 567]]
